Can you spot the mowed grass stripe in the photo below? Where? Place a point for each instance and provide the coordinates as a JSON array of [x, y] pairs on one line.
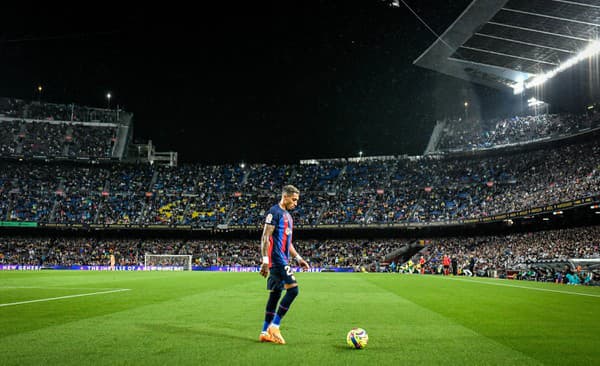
[[220, 325], [405, 332], [147, 288], [76, 279], [550, 327], [154, 333]]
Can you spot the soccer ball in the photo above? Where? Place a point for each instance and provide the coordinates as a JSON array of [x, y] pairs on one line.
[[357, 338]]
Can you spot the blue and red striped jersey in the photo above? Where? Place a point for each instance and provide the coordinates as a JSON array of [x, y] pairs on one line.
[[280, 241]]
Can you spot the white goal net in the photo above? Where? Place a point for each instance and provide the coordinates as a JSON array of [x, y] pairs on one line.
[[167, 262]]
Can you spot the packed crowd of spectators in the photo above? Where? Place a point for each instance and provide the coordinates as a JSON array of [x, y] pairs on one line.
[[52, 139], [397, 190], [42, 111], [8, 137], [475, 134], [90, 141], [485, 254], [413, 190], [41, 138], [92, 251], [52, 130], [26, 195], [478, 256]]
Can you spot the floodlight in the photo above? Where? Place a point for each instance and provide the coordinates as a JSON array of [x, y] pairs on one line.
[[591, 50]]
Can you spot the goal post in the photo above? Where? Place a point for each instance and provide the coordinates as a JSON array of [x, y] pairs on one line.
[[167, 262]]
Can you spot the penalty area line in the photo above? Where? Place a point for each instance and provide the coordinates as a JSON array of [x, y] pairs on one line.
[[525, 287], [64, 297]]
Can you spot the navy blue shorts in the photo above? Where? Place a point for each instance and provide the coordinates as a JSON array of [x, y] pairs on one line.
[[280, 276]]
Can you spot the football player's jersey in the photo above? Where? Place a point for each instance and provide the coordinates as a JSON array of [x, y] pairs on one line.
[[279, 242]]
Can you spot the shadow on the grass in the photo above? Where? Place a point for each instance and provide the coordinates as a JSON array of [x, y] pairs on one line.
[[343, 348], [191, 330]]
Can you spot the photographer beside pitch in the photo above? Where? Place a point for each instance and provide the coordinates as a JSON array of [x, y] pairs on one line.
[[275, 248]]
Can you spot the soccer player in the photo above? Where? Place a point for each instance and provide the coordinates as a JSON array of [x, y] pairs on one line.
[[112, 260], [446, 263], [275, 248]]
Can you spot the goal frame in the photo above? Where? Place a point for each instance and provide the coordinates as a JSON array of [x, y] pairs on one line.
[[186, 267]]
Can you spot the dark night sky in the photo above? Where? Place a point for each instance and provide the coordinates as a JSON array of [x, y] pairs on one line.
[[264, 82]]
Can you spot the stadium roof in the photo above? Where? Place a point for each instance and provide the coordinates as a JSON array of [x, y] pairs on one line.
[[502, 43]]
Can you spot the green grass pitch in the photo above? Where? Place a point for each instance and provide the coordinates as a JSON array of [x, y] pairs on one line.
[[215, 318]]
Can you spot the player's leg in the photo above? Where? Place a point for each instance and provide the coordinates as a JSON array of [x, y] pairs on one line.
[[291, 291], [275, 287], [274, 296]]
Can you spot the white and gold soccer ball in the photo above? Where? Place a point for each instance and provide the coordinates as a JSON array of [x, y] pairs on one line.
[[357, 338]]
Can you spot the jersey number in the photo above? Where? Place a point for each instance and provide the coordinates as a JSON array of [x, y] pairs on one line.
[[289, 272]]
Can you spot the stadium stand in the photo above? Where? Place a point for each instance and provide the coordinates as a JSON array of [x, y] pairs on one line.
[[505, 252], [401, 190], [486, 256], [46, 130], [460, 135], [443, 187]]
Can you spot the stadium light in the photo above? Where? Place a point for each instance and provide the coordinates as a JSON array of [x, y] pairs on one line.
[[242, 165], [532, 102], [360, 153], [108, 96], [591, 50]]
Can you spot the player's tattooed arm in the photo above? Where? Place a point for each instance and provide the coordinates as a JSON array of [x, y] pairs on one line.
[[264, 240], [264, 249]]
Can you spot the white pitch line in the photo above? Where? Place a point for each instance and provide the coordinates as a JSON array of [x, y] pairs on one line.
[[525, 287], [59, 288], [63, 297]]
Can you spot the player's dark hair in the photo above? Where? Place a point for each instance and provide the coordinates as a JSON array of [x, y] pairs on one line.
[[289, 190]]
